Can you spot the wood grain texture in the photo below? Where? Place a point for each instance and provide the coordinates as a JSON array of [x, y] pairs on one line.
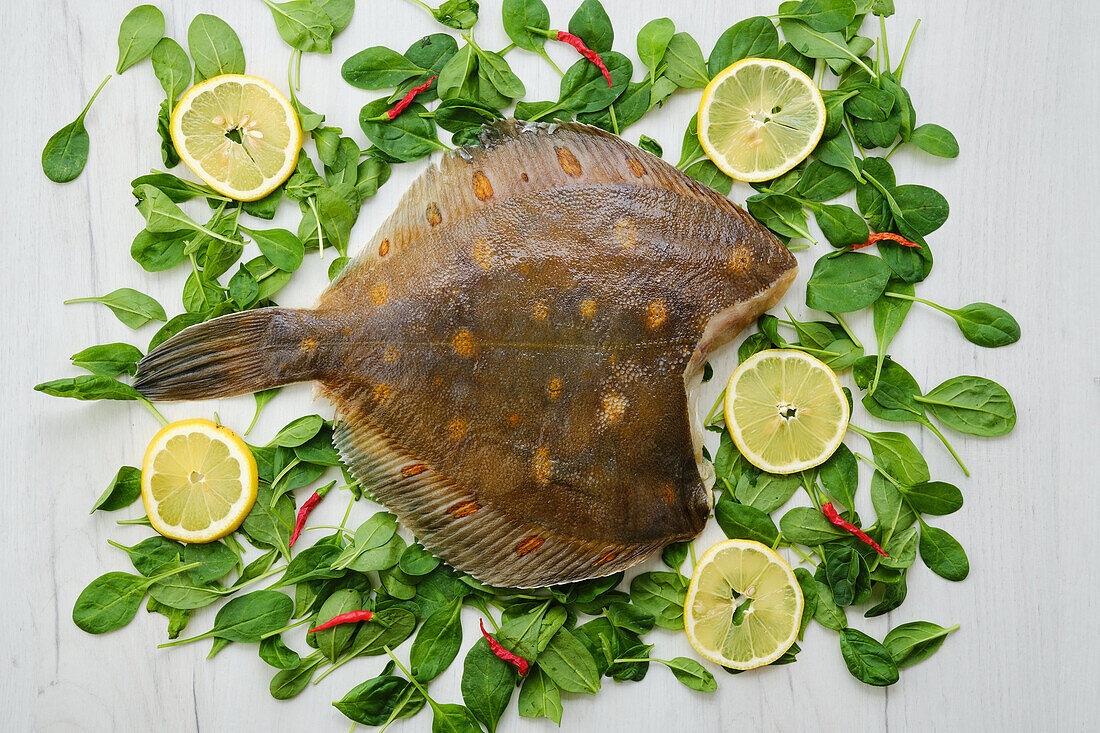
[[1013, 83]]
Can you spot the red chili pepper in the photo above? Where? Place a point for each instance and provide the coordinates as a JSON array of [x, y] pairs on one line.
[[501, 652], [834, 517], [408, 98], [351, 617], [878, 236], [586, 52], [303, 513]]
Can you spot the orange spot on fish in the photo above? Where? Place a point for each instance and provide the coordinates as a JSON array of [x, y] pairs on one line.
[[432, 213], [380, 293], [740, 260], [528, 544], [464, 342], [626, 234], [384, 248], [541, 465], [612, 407], [483, 189], [588, 308], [636, 167], [605, 558], [457, 428], [463, 509], [482, 253], [656, 314], [668, 492], [413, 469], [541, 311], [568, 161], [555, 387], [308, 345], [513, 419], [381, 392], [390, 355], [524, 178]]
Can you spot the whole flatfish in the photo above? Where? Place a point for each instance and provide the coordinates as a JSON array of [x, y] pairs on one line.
[[514, 357]]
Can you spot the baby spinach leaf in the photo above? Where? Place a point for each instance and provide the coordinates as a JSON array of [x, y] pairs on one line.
[[269, 524], [897, 454], [339, 12], [390, 627], [458, 14], [972, 405], [172, 68], [902, 551], [782, 214], [648, 144], [108, 360], [66, 152], [923, 209], [691, 674], [828, 613], [518, 16], [123, 491], [894, 515], [867, 660], [822, 15], [569, 665], [652, 42], [840, 476], [744, 522], [331, 642], [934, 497], [303, 25], [276, 653], [89, 387], [437, 643], [407, 137], [685, 64], [109, 602], [499, 74], [846, 283], [846, 576], [289, 682], [915, 641], [809, 595], [707, 173], [935, 140], [378, 67], [539, 697], [215, 47], [281, 247], [381, 699], [889, 314], [750, 38], [591, 24], [487, 684], [661, 595], [840, 225], [807, 526], [943, 554], [584, 89], [822, 182], [141, 30]]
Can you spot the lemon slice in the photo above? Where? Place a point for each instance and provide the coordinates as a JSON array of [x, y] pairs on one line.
[[743, 606], [759, 118], [785, 410], [239, 134], [198, 481]]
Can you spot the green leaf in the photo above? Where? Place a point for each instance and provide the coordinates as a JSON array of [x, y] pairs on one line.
[[685, 64], [108, 360], [892, 596], [915, 641], [298, 431], [569, 665], [840, 225], [277, 654], [935, 140], [902, 549], [584, 88], [390, 627], [172, 68], [889, 314], [591, 24], [744, 522], [215, 47], [692, 674], [822, 182], [487, 684], [539, 697], [381, 699], [934, 497], [141, 30], [518, 15], [840, 476], [500, 75], [828, 613], [867, 660], [270, 525], [896, 453], [124, 490], [807, 526], [923, 210], [894, 515], [109, 602], [765, 491], [943, 554], [847, 283], [660, 594], [437, 643], [66, 152], [846, 576], [407, 137], [289, 682], [809, 597], [750, 38], [303, 25], [89, 387], [653, 40], [331, 642], [972, 405], [823, 15]]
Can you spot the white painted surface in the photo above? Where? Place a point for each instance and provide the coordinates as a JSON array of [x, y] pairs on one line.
[[1013, 80]]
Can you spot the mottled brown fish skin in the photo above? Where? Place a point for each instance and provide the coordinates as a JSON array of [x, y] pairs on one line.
[[511, 356]]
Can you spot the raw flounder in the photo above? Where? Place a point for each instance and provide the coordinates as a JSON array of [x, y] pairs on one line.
[[514, 357]]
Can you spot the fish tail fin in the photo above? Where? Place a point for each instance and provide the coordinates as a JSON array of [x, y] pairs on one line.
[[235, 354]]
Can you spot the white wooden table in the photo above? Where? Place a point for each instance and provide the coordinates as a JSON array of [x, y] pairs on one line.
[[1014, 81]]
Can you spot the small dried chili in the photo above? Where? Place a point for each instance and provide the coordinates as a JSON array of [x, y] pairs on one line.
[[878, 236], [502, 653], [408, 98], [834, 517], [351, 617], [303, 513], [586, 52]]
